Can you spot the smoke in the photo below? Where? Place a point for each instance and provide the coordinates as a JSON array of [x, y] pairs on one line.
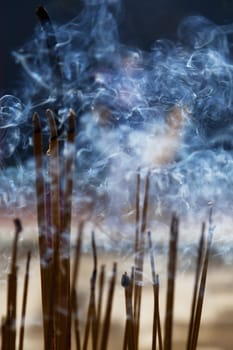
[[168, 110]]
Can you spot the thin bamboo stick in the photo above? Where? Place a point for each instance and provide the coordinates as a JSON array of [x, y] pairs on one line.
[[93, 298], [41, 218], [129, 337], [156, 297], [91, 315], [10, 323], [66, 227], [155, 290], [40, 187], [140, 263], [52, 325], [91, 322], [100, 297], [53, 153], [24, 304], [108, 311], [76, 319], [137, 214], [77, 257], [51, 40], [200, 255], [171, 284], [201, 293], [74, 295]]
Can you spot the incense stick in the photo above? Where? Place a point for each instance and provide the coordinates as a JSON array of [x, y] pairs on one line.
[[108, 311], [9, 326], [171, 284], [45, 264], [91, 322], [196, 284], [129, 336], [201, 294], [140, 263], [24, 304], [137, 214], [66, 224], [156, 313], [74, 296], [100, 298], [76, 319], [51, 40], [40, 186], [54, 172]]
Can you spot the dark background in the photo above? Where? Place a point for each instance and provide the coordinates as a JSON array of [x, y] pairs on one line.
[[142, 21]]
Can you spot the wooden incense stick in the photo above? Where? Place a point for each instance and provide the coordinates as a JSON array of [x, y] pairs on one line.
[[140, 263], [108, 311], [24, 304], [10, 321], [54, 172], [100, 301], [40, 188], [74, 295], [66, 224], [51, 40], [75, 307], [45, 263], [156, 313], [91, 315], [137, 214], [91, 322], [129, 336], [200, 255], [94, 330], [171, 284], [201, 293]]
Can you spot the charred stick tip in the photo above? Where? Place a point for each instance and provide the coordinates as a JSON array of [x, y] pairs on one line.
[[71, 121], [52, 123], [36, 122], [18, 225], [125, 280], [42, 14]]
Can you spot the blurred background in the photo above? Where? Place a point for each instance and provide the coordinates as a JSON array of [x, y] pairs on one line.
[[140, 23]]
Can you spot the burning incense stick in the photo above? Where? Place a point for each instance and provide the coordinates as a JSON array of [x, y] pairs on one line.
[[51, 40], [74, 296], [55, 200], [171, 284], [201, 293], [137, 214], [9, 322], [129, 336], [156, 313], [140, 263], [100, 298], [66, 221], [196, 284], [108, 311], [24, 305], [45, 264], [40, 187], [76, 319], [91, 322]]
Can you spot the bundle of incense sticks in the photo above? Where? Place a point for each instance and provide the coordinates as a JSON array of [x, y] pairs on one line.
[[60, 292], [54, 222], [60, 287], [8, 326], [62, 304]]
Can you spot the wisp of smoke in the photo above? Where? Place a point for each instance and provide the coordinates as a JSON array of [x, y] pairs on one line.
[[168, 110]]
